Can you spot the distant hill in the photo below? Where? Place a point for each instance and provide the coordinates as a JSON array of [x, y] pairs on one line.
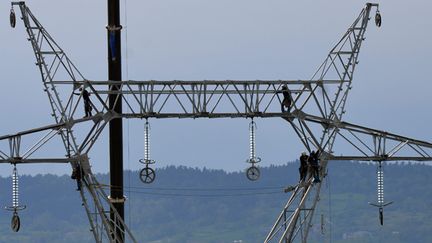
[[201, 205]]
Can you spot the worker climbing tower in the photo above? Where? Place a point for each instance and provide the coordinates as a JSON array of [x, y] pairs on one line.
[[314, 108]]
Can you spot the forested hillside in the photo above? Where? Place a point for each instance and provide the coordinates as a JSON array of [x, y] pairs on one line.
[[201, 205]]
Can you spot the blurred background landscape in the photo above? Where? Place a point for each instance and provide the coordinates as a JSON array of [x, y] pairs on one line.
[[202, 205]]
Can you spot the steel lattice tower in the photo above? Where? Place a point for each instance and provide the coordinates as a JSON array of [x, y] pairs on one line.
[[315, 114]]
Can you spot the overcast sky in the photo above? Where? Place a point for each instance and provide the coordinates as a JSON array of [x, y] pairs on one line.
[[224, 39]]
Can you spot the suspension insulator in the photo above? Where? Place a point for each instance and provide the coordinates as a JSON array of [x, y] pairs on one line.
[[147, 174], [147, 159], [15, 221], [380, 184], [15, 192], [252, 173], [12, 18], [380, 193], [147, 141], [378, 19], [15, 188], [252, 144]]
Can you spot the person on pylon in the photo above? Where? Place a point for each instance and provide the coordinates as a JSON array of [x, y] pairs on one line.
[[87, 102], [77, 175], [303, 166], [286, 102], [314, 164]]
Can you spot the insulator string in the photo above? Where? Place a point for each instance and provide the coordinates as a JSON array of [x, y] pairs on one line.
[[15, 188], [147, 142], [380, 184], [252, 141]]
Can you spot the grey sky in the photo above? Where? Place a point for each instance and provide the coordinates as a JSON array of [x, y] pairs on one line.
[[225, 39]]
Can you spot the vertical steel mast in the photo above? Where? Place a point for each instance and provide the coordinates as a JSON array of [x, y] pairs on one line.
[[115, 104]]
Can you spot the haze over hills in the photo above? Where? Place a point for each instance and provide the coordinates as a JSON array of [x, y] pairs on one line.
[[201, 205]]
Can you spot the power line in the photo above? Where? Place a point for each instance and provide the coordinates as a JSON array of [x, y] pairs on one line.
[[208, 189], [207, 195], [183, 192]]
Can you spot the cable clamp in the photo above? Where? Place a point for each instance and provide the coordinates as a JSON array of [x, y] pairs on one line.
[[114, 28], [117, 200]]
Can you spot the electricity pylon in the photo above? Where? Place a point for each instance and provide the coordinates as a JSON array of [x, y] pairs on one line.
[[315, 114]]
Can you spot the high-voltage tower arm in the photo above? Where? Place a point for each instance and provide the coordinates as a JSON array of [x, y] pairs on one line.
[[315, 113]]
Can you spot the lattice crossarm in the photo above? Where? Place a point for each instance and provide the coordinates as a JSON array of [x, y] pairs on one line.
[[364, 143], [23, 146], [206, 98]]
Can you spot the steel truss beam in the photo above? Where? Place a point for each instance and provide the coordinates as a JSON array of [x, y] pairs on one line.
[[370, 144], [213, 99], [367, 144], [318, 105]]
